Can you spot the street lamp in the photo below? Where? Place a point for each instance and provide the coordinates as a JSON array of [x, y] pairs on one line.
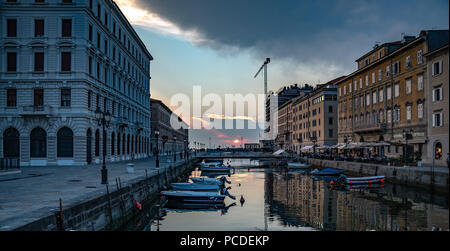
[[407, 136], [314, 140], [103, 119], [157, 147], [174, 148]]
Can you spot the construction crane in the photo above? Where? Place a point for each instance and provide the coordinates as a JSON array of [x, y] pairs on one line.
[[265, 74]]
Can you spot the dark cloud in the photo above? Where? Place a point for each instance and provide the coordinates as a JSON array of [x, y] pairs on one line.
[[335, 31]]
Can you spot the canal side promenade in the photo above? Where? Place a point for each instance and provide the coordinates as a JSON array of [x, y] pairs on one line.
[[35, 192]]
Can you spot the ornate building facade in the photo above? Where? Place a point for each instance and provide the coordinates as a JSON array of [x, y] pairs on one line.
[[61, 60]]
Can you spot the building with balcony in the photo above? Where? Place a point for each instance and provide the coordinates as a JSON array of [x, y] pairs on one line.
[[172, 133], [61, 60], [385, 99], [437, 95]]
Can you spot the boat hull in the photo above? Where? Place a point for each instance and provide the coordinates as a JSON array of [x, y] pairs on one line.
[[298, 165], [205, 198], [366, 180], [195, 187]]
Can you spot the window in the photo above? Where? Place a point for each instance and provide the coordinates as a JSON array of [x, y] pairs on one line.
[[408, 86], [11, 97], [396, 67], [90, 65], [388, 93], [437, 119], [330, 133], [90, 33], [380, 75], [38, 143], [437, 68], [380, 95], [330, 121], [65, 61], [67, 27], [397, 90], [89, 102], [106, 18], [330, 109], [90, 4], [360, 83], [373, 78], [397, 114], [408, 112], [367, 80], [11, 28], [98, 40], [38, 97], [65, 143], [65, 97], [67, 1], [99, 11], [367, 99], [388, 71], [420, 111], [39, 28], [11, 143], [12, 62], [408, 62], [420, 82], [437, 94], [38, 61], [419, 57], [374, 97], [389, 116], [345, 89]]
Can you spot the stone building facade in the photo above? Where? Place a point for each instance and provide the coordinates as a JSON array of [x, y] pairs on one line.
[[60, 60], [171, 139], [385, 99]]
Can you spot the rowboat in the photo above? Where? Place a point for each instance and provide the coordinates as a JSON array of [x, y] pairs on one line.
[[195, 207], [327, 172], [365, 180], [194, 196], [210, 181], [195, 187], [298, 165], [216, 169]]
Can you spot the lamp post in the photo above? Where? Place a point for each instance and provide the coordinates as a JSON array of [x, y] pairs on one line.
[[174, 148], [157, 147], [314, 140], [407, 136], [103, 119]]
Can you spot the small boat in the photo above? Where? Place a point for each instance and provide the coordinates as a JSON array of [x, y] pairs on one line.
[[194, 196], [195, 207], [298, 165], [365, 180], [215, 174], [195, 187], [213, 181], [211, 164], [327, 172], [364, 186]]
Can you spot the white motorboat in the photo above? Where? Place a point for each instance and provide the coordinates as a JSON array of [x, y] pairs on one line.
[[195, 187], [214, 181], [194, 196], [298, 165]]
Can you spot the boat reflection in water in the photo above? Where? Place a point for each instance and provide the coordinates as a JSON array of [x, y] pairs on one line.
[[192, 207]]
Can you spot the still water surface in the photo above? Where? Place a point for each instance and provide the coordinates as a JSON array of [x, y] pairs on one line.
[[280, 200]]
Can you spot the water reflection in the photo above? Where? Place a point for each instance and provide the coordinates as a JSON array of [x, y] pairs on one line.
[[274, 199], [300, 200]]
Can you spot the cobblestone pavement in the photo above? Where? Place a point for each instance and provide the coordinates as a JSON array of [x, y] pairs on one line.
[[35, 192]]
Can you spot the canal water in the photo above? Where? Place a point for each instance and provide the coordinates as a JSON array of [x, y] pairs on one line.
[[281, 200]]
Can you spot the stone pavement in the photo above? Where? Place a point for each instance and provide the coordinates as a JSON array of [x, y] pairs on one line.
[[35, 192]]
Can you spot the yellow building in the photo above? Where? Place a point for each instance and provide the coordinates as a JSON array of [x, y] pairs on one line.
[[383, 102]]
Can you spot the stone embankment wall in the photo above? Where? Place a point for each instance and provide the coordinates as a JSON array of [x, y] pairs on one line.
[[107, 212], [423, 177]]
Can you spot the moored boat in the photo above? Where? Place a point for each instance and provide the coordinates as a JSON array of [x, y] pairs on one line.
[[327, 172], [365, 180], [195, 187], [215, 181], [194, 196], [298, 165]]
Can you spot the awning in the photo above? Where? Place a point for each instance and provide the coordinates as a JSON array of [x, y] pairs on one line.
[[306, 148]]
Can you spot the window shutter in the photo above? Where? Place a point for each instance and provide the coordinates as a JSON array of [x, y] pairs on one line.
[[434, 95], [441, 94], [440, 67], [442, 119], [434, 120]]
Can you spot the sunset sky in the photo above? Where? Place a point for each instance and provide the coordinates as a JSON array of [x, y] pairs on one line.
[[220, 45]]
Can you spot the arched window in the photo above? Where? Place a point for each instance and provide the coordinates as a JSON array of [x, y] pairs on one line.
[[97, 143], [438, 151], [118, 143], [113, 137], [65, 142], [89, 146], [11, 146], [38, 143]]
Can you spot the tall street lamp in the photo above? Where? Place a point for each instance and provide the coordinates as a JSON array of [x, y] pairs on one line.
[[157, 147], [174, 148], [103, 119]]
